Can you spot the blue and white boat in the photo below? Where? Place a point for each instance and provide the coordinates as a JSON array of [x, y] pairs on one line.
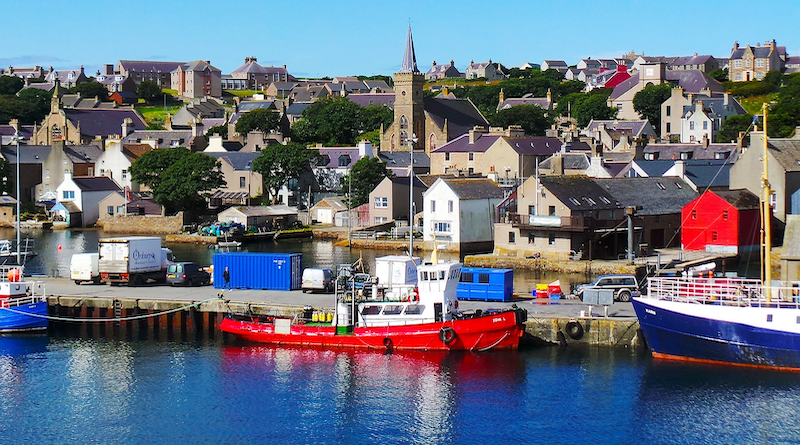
[[23, 306], [742, 322], [721, 320]]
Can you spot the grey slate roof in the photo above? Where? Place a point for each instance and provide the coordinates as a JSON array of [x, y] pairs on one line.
[[741, 199], [149, 66], [570, 161], [101, 122], [709, 174], [461, 144], [692, 81], [364, 100], [239, 161], [297, 108], [474, 188], [273, 210], [534, 145], [29, 154], [83, 154], [166, 136], [95, 183], [251, 105], [786, 152], [634, 128], [698, 151], [400, 159], [461, 115]]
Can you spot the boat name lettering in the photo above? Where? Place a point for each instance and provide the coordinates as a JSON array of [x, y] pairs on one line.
[[497, 319], [143, 256], [650, 311]]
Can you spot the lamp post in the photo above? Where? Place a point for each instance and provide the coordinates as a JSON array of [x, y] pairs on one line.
[[412, 141], [19, 244]]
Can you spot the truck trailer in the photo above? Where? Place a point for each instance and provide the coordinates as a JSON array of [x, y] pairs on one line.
[[133, 260]]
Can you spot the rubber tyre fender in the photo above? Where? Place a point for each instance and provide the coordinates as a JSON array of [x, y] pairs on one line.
[[387, 342], [574, 330], [447, 335]]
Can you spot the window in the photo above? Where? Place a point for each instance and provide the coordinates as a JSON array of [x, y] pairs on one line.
[[552, 240], [447, 156], [121, 209], [371, 310], [443, 227], [483, 278], [381, 202], [551, 210], [392, 309], [47, 173], [651, 156], [344, 160], [769, 318], [415, 309], [90, 171], [691, 125], [713, 235], [467, 277], [380, 219], [433, 206], [669, 110], [721, 155], [110, 210], [705, 125], [737, 63], [747, 63], [760, 63], [403, 122], [471, 156], [512, 237], [450, 206], [724, 215], [531, 238], [242, 181], [68, 194], [694, 214], [686, 155]]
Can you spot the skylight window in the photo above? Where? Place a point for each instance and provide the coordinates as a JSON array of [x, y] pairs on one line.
[[575, 201], [661, 186]]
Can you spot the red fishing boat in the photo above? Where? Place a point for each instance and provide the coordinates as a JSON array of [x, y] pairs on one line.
[[419, 314]]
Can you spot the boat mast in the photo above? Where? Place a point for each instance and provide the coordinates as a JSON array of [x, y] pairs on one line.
[[766, 193]]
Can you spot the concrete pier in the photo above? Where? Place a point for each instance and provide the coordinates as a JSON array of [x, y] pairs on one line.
[[165, 313]]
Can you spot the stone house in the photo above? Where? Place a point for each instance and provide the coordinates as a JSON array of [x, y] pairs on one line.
[[154, 71], [197, 79], [258, 77], [389, 201], [67, 78], [484, 70], [753, 63], [714, 110], [704, 63]]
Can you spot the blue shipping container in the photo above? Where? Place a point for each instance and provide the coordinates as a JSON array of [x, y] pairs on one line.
[[483, 284], [272, 271]]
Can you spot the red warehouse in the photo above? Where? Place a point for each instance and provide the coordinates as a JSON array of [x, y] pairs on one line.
[[722, 221]]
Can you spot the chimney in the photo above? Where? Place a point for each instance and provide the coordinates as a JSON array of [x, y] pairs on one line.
[[557, 165], [698, 106], [502, 96], [364, 149], [772, 44], [680, 169], [735, 45], [14, 123], [434, 63], [476, 133], [197, 127], [796, 132], [705, 140], [127, 126], [726, 99]]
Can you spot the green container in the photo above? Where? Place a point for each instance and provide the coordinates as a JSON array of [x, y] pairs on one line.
[[344, 330]]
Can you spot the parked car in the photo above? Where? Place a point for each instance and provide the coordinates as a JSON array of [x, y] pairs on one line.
[[187, 273], [316, 279], [623, 286]]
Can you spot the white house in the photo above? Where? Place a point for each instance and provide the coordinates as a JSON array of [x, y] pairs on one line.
[[459, 213], [115, 162], [83, 193]]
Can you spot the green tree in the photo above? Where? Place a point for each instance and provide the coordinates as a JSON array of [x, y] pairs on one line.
[[532, 118], [10, 85], [647, 102], [13, 107], [91, 89], [221, 130], [332, 120], [732, 126], [587, 106], [278, 164], [258, 120], [364, 176], [720, 75], [373, 116], [149, 91], [187, 182], [177, 176]]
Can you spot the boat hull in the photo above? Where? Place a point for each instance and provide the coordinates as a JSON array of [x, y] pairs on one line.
[[496, 331], [24, 318], [720, 334]]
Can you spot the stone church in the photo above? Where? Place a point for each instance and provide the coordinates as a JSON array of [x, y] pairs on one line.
[[432, 121]]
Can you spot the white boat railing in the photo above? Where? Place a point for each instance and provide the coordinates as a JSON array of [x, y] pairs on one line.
[[722, 291]]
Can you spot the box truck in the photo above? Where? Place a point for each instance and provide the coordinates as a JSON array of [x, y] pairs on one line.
[[134, 260]]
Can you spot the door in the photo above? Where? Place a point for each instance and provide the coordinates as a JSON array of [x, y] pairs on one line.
[[437, 312]]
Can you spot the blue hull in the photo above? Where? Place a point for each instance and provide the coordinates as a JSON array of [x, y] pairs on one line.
[[15, 318], [672, 335]]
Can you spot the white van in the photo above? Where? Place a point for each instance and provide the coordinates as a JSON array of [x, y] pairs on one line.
[[315, 279], [85, 267]]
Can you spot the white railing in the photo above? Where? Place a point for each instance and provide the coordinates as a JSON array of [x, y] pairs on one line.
[[723, 291]]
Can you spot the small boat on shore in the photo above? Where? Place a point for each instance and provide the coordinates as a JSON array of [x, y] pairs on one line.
[[419, 315], [23, 306]]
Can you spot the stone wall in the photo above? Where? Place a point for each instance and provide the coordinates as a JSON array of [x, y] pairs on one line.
[[150, 224]]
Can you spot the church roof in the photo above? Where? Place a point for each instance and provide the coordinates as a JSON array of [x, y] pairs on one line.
[[103, 122], [461, 115], [409, 58]]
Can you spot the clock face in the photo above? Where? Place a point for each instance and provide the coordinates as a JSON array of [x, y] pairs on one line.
[[403, 93], [648, 71]]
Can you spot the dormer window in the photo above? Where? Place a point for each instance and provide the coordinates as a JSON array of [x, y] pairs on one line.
[[344, 160]]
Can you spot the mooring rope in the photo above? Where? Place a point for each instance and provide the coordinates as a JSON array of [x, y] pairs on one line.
[[106, 320]]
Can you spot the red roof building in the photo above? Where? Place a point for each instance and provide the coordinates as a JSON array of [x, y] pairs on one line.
[[620, 76]]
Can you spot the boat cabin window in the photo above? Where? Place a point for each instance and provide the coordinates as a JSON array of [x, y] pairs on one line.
[[466, 277], [371, 310], [442, 275], [392, 309], [423, 276], [433, 276], [415, 309]]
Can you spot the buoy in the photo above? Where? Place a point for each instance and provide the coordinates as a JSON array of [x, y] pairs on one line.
[[13, 275], [59, 247]]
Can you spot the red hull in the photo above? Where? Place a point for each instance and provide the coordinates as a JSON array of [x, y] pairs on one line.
[[497, 331]]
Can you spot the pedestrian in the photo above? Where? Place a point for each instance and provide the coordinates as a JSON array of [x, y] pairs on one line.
[[227, 277]]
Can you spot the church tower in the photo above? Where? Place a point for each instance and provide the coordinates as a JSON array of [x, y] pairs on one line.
[[409, 114]]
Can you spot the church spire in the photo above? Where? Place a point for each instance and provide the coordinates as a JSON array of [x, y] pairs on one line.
[[409, 58]]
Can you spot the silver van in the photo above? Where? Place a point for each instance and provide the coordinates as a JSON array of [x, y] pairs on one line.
[[623, 286], [317, 279]]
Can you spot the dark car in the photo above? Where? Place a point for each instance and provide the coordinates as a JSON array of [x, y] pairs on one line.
[[187, 273]]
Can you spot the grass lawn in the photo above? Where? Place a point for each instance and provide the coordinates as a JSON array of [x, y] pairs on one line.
[[156, 114], [753, 104]]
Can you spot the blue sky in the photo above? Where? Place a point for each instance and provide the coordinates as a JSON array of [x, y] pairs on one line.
[[340, 38]]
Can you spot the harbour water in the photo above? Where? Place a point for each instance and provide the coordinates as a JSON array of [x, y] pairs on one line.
[[93, 390]]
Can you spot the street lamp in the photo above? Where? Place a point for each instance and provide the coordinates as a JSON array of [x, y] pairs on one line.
[[412, 141], [15, 139]]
